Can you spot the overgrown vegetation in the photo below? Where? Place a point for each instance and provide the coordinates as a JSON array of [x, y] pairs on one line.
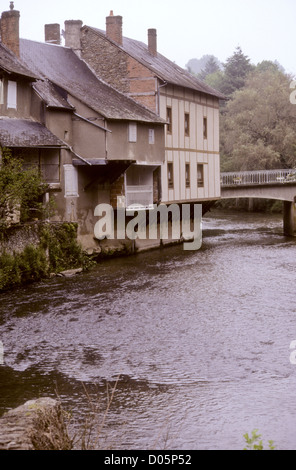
[[21, 200], [21, 191], [58, 251], [64, 252]]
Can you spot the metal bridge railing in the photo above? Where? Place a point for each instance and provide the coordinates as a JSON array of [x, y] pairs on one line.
[[261, 177]]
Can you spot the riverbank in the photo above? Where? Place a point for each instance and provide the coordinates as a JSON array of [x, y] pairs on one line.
[[38, 251]]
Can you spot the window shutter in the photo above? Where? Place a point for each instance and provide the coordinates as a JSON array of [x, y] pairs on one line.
[[71, 181], [12, 95], [132, 132]]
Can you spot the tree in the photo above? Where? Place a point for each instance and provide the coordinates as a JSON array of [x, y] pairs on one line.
[[212, 66], [20, 190], [196, 66], [236, 70], [258, 127]]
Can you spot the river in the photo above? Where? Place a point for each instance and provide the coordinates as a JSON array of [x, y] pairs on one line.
[[199, 341]]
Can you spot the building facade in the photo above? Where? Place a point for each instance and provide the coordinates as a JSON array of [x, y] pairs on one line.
[[191, 171], [94, 144]]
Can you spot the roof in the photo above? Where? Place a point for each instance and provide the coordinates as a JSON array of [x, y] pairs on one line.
[[163, 68], [52, 96], [64, 69], [26, 133], [12, 65]]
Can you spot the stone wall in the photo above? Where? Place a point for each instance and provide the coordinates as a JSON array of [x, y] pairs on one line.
[[36, 425], [16, 238]]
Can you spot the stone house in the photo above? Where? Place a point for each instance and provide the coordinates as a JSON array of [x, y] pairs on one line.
[[191, 171], [92, 142]]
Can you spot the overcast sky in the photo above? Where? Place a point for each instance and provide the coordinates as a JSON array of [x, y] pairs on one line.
[[187, 29]]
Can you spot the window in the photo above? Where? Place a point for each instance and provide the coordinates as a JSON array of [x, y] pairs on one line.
[[187, 125], [200, 175], [1, 91], [205, 127], [151, 136], [132, 132], [187, 175], [71, 181], [170, 176], [12, 95], [169, 120]]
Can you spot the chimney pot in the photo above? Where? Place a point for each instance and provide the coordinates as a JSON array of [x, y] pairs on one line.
[[152, 42], [10, 29], [114, 28]]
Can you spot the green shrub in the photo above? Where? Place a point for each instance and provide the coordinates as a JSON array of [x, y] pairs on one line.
[[18, 269]]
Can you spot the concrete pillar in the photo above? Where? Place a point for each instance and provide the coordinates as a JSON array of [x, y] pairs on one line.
[[290, 218]]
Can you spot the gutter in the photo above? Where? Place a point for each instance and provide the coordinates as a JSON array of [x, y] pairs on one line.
[[76, 154], [92, 123]]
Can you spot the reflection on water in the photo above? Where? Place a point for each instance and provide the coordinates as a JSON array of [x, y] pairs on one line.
[[200, 340]]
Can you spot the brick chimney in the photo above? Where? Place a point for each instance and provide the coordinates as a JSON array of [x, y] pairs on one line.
[[73, 35], [52, 33], [114, 28], [152, 42], [10, 29]]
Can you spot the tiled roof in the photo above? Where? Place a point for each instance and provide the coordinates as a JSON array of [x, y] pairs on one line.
[[12, 65], [163, 68], [26, 133], [63, 68]]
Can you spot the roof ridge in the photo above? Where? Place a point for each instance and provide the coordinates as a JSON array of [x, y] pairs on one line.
[[187, 80]]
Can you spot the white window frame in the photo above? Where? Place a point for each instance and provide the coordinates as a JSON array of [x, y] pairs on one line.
[[12, 95]]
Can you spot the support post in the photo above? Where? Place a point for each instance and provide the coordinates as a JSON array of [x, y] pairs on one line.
[[290, 218]]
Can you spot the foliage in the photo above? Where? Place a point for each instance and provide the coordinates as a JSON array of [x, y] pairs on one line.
[[58, 251], [236, 70], [211, 67], [31, 265], [254, 442], [19, 190], [195, 66], [63, 249], [258, 125]]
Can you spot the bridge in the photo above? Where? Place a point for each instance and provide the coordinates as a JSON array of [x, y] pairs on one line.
[[273, 184]]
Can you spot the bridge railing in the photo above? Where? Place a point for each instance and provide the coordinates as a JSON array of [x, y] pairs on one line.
[[261, 177]]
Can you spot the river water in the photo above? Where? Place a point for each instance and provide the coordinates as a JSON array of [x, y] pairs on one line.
[[199, 341]]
